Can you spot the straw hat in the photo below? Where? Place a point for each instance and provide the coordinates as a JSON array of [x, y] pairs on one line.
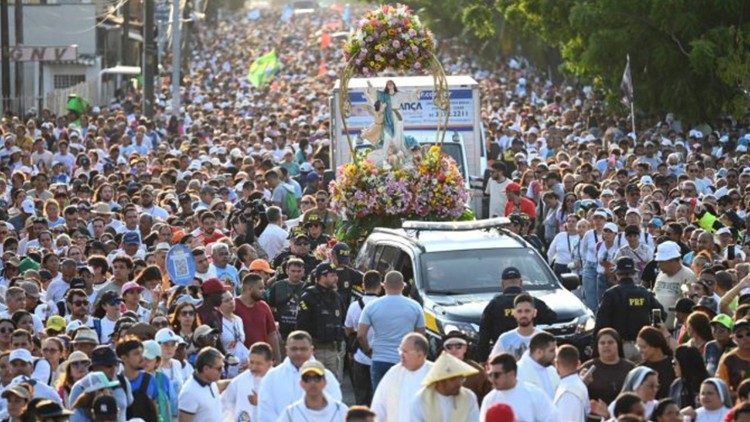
[[446, 367]]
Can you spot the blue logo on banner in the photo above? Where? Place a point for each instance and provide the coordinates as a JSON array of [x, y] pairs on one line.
[[180, 265]]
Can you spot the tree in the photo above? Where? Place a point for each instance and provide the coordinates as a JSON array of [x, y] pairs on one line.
[[690, 56]]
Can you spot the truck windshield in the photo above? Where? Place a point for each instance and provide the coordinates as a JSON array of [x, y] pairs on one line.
[[478, 271]]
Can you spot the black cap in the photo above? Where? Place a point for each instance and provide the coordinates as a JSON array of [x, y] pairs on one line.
[[323, 268], [103, 356], [632, 187], [684, 305], [105, 408], [342, 252], [50, 409], [516, 219], [511, 273], [77, 283], [625, 265], [744, 298], [706, 303]]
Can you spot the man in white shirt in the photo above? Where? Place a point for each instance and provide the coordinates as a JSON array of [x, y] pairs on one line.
[[673, 275], [240, 399], [281, 387], [360, 370], [516, 341], [529, 403], [393, 396], [315, 405], [496, 189], [199, 398], [535, 367], [274, 238], [572, 396]]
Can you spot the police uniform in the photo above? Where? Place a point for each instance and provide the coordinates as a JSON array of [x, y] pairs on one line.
[[349, 278], [320, 315], [279, 263], [497, 317], [316, 241], [626, 307]]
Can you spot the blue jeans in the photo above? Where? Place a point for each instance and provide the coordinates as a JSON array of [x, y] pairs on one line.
[[601, 286], [588, 280], [377, 371]]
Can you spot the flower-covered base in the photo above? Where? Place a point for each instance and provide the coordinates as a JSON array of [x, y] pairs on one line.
[[369, 196]]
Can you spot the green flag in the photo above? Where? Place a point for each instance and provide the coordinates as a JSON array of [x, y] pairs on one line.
[[263, 69]]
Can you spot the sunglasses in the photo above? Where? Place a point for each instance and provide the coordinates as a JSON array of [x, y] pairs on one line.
[[495, 374], [187, 313], [312, 378], [6, 330], [81, 303], [160, 324]]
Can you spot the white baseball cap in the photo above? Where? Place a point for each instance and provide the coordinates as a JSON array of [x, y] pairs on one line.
[[28, 206], [723, 230], [166, 335], [667, 251], [21, 354], [611, 227]]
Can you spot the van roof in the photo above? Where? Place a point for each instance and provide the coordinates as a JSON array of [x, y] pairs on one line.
[[409, 81]]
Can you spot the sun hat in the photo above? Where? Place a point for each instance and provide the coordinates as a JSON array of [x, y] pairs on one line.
[[667, 251], [448, 366]]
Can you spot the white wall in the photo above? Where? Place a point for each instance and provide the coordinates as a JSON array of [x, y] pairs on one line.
[[57, 24]]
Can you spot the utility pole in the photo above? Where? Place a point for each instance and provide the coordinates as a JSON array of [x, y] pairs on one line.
[[149, 59], [176, 62], [5, 51], [125, 41], [18, 18]]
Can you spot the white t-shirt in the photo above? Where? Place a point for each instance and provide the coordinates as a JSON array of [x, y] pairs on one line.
[[108, 327], [529, 403], [200, 400], [352, 321], [513, 342], [297, 411], [498, 198], [669, 289]]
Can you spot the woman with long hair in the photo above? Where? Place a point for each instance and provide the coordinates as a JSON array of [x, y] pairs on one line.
[[53, 351], [605, 382], [150, 279], [76, 367], [656, 355], [699, 330], [184, 321], [691, 372]]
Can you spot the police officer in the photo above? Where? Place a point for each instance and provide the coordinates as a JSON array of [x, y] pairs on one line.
[[627, 307], [497, 317], [314, 228], [300, 248], [349, 278], [320, 315]]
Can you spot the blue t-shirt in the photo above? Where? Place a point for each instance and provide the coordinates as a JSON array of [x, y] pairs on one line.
[[391, 318], [231, 273], [135, 384]]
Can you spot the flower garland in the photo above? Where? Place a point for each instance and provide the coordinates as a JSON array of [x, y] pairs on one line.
[[390, 37], [369, 196]]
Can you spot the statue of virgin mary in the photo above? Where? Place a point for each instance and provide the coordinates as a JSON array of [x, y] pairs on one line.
[[391, 148]]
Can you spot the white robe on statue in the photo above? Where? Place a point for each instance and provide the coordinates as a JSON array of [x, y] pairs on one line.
[[393, 397]]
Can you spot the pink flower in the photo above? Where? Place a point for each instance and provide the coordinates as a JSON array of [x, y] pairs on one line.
[[396, 44]]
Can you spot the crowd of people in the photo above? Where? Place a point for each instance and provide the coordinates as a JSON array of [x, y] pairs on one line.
[[278, 325]]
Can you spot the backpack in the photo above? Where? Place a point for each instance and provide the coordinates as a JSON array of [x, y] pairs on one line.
[[290, 204], [143, 407], [162, 398]]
